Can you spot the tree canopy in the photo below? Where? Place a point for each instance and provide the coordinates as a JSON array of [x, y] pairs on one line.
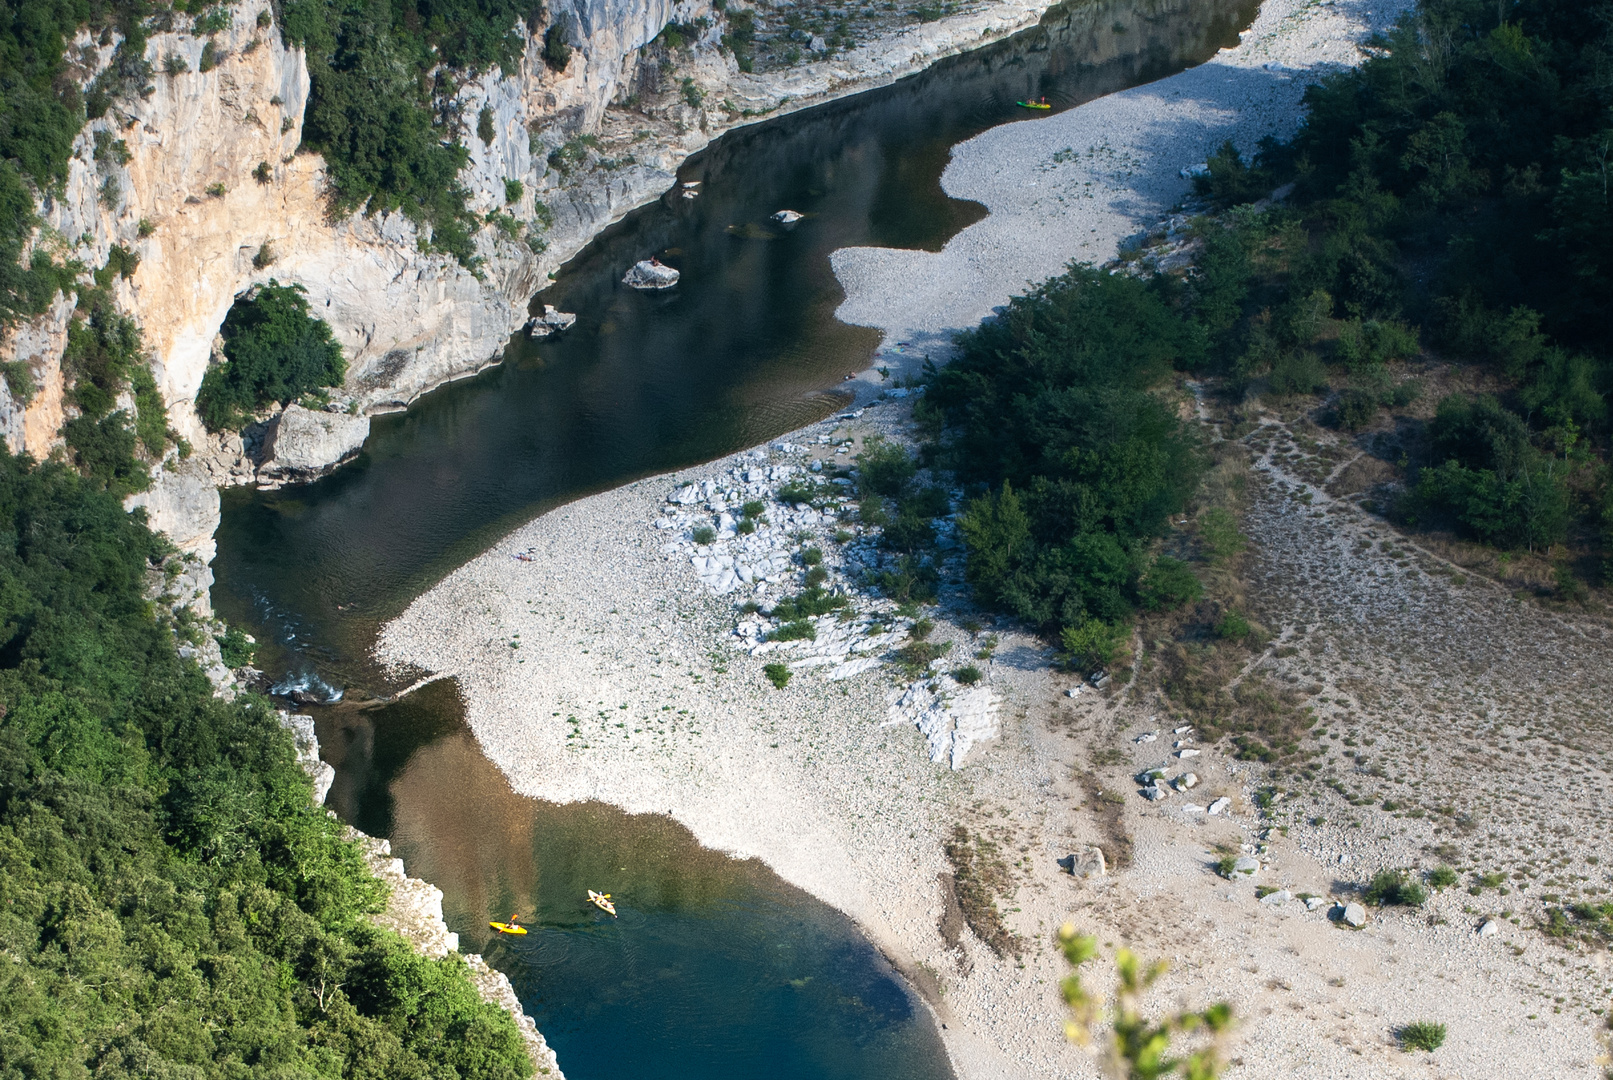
[[171, 901]]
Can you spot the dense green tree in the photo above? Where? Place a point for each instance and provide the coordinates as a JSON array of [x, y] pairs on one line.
[[1057, 408], [275, 352], [172, 904]]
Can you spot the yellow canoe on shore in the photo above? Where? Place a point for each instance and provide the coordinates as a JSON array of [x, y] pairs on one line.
[[507, 928], [601, 901]]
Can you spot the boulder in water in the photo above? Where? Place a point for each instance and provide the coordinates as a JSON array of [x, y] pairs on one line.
[[787, 217], [650, 274], [550, 322], [301, 444]]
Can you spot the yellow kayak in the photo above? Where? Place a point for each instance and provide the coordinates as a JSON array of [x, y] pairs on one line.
[[601, 901], [507, 928], [1033, 104]]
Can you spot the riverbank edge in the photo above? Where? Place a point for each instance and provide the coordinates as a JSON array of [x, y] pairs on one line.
[[864, 71], [414, 906]]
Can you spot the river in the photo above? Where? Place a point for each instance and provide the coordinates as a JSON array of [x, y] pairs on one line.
[[716, 967]]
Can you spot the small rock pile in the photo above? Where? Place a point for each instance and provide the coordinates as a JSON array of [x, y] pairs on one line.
[[759, 559], [952, 717]]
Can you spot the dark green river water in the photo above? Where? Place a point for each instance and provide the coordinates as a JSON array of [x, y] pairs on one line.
[[716, 968]]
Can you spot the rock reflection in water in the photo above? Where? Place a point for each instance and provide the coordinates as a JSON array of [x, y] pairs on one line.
[[715, 967]]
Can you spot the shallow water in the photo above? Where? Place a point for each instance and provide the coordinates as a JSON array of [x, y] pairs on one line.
[[716, 968]]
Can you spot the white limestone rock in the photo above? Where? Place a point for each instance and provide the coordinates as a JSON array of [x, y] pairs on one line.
[[302, 443]]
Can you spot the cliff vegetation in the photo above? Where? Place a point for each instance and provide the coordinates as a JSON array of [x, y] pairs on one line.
[[171, 901], [275, 352], [382, 108]]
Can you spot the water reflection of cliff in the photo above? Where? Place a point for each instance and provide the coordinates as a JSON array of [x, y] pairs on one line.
[[413, 772]]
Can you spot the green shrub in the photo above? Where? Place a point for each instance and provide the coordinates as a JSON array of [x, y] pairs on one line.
[[740, 38], [884, 468], [1091, 645], [105, 355], [237, 649], [812, 556], [921, 629], [211, 21], [1230, 181], [1233, 627], [753, 509], [1167, 584], [1442, 877], [910, 581], [915, 658], [484, 125], [777, 674], [1391, 887], [513, 190], [1490, 479], [275, 352], [703, 534], [556, 53], [19, 380], [1421, 1035], [908, 531], [1355, 409], [968, 675], [798, 630], [1297, 373], [809, 492], [810, 602], [211, 56], [1375, 342]]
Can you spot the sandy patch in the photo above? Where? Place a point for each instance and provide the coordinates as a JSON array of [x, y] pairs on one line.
[[1077, 184]]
